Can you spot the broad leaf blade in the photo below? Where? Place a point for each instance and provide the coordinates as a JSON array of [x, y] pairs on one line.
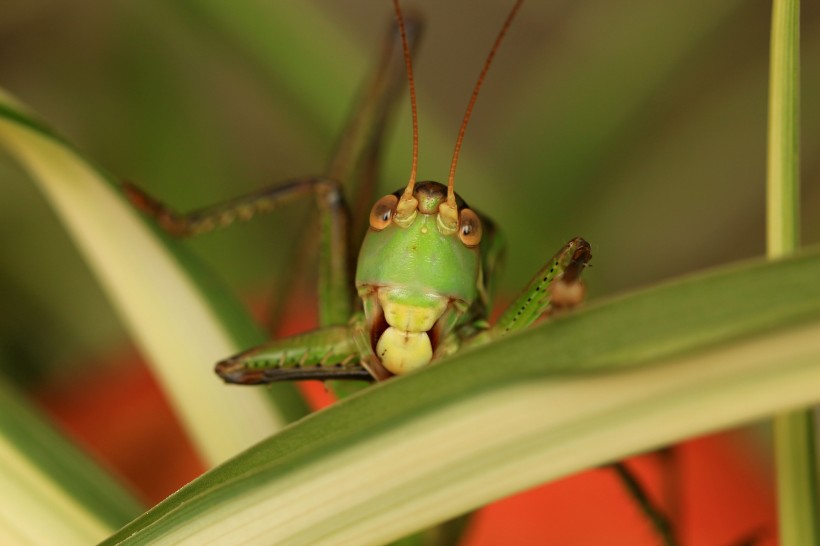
[[182, 318], [52, 492], [725, 348]]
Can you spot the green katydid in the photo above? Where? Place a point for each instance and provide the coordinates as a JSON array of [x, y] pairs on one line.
[[424, 274]]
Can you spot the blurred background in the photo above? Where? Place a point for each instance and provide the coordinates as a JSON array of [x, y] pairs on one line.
[[640, 126]]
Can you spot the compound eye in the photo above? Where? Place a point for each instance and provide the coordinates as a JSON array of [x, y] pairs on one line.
[[469, 228], [382, 212]]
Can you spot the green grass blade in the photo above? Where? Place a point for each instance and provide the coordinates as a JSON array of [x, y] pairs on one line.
[[724, 348], [783, 176], [794, 433], [52, 492], [182, 318]]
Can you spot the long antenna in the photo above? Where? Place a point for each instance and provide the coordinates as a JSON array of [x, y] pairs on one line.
[[408, 61], [451, 195]]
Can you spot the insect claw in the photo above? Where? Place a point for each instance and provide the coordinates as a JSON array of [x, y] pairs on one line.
[[231, 371]]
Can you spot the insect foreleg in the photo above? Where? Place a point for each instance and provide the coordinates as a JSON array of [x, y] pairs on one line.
[[323, 354], [335, 286], [221, 215], [556, 285]]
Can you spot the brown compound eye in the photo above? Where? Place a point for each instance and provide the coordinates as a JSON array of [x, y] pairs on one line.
[[469, 228], [382, 212]]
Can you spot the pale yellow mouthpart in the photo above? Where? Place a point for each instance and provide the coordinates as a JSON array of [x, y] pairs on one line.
[[402, 352], [411, 318]]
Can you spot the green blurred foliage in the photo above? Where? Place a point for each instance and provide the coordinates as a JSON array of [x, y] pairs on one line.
[[639, 126]]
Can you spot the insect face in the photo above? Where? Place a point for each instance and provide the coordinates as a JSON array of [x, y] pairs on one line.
[[416, 280]]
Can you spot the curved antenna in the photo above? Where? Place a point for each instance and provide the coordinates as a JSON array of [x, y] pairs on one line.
[[451, 195], [408, 62]]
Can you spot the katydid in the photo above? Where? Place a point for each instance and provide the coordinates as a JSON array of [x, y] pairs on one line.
[[424, 274], [423, 277]]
